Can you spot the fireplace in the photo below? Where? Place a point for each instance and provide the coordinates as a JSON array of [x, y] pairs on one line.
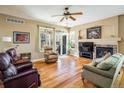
[[101, 50], [86, 49]]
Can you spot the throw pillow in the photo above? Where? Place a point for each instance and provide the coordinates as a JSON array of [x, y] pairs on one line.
[[108, 63], [98, 60], [118, 56]]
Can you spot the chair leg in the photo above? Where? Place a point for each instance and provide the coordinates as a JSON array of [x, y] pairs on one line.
[[84, 84], [83, 80]]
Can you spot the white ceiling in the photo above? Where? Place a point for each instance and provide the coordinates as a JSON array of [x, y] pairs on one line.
[[44, 12]]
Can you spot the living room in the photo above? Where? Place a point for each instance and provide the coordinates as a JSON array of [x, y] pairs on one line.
[[72, 43]]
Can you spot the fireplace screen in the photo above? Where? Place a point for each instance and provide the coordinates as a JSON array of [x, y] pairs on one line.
[[101, 51]]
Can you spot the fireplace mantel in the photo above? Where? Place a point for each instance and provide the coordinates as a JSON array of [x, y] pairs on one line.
[[102, 41]]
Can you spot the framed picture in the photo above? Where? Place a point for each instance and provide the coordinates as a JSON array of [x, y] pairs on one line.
[[94, 33], [21, 37]]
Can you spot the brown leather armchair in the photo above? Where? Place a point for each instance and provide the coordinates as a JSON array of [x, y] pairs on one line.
[[18, 60], [49, 55], [13, 77]]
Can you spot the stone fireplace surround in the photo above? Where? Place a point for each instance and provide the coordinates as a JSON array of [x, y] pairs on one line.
[[113, 42]]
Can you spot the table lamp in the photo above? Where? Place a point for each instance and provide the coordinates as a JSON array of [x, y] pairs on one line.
[[7, 42]]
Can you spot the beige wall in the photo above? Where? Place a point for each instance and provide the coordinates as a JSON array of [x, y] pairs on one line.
[[109, 27], [6, 29], [121, 33]]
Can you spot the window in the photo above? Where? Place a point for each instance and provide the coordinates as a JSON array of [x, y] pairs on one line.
[[45, 37]]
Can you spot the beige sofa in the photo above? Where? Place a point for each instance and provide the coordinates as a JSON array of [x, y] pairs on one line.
[[102, 78]]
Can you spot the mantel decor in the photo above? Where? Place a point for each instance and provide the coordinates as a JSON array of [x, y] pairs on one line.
[[80, 35], [94, 33], [21, 37]]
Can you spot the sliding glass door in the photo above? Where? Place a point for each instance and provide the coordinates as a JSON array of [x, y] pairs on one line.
[[61, 42]]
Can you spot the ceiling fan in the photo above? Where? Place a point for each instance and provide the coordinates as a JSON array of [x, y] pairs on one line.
[[66, 15]]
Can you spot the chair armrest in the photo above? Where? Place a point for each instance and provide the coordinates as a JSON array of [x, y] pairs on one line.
[[22, 80], [52, 53], [20, 75], [16, 58], [23, 67], [108, 74]]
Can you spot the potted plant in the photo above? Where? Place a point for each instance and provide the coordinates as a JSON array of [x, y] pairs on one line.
[[70, 46]]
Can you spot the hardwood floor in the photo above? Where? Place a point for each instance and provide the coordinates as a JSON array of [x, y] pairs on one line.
[[66, 73]]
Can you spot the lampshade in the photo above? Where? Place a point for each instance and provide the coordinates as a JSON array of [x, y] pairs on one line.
[[6, 39]]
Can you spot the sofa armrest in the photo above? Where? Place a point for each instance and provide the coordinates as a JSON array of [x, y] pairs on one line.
[[98, 60], [93, 63], [108, 74], [22, 80]]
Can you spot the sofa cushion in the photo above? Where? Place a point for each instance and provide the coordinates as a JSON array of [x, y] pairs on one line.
[[51, 60], [11, 71], [109, 73], [104, 66], [48, 51], [52, 57]]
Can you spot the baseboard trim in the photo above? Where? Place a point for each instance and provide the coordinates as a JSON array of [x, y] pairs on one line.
[[36, 60], [74, 55]]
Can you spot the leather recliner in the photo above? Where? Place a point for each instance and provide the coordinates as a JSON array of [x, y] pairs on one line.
[[13, 78], [17, 61]]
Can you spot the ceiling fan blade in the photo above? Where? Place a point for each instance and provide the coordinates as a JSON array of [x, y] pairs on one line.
[[62, 19], [56, 15], [71, 17], [78, 13]]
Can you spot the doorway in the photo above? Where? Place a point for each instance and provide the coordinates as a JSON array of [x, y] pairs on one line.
[[64, 40], [61, 42]]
